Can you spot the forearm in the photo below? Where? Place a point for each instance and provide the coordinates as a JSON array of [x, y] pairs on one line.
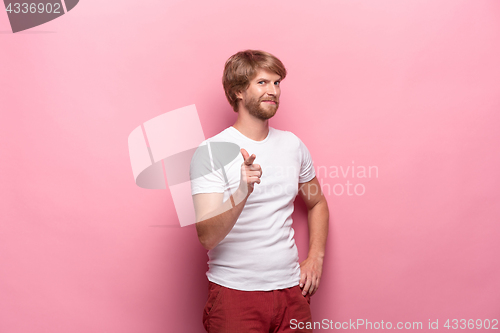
[[214, 227], [318, 218]]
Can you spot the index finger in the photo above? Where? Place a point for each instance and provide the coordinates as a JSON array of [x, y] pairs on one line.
[[249, 160], [244, 153]]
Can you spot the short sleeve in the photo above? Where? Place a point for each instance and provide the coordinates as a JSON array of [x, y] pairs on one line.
[[307, 172], [202, 175]]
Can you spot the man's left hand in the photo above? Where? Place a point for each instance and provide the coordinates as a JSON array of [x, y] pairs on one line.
[[310, 274]]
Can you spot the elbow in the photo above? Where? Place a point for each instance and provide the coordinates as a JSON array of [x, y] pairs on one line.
[[206, 244], [206, 241]]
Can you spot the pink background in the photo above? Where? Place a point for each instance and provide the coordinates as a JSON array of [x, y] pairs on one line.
[[411, 87]]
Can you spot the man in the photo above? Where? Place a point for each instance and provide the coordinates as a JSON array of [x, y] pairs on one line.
[[243, 210]]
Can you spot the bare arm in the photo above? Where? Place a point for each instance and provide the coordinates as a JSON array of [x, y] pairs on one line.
[[214, 218], [318, 215], [215, 226]]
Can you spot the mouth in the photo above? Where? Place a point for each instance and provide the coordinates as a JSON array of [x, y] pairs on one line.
[[269, 101]]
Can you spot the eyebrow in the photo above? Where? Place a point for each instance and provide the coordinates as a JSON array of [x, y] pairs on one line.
[[262, 79]]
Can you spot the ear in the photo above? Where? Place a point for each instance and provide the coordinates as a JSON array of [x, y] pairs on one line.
[[239, 95]]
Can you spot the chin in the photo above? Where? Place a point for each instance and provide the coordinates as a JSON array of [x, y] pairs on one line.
[[269, 116]]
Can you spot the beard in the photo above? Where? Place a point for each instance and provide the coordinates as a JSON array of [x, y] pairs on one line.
[[263, 112]]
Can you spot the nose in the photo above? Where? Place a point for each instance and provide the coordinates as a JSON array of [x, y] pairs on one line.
[[271, 89]]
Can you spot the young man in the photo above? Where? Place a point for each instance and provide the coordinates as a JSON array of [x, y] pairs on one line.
[[243, 209]]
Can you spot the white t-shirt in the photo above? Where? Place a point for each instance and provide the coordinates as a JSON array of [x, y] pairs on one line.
[[259, 253]]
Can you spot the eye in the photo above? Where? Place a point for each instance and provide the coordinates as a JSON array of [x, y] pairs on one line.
[[261, 82], [277, 83]]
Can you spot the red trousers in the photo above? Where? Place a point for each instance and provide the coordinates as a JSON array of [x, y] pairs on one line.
[[235, 311]]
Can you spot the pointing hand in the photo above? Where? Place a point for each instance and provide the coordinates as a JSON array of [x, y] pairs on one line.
[[250, 173]]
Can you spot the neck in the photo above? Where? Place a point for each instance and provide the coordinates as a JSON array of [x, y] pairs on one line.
[[251, 127]]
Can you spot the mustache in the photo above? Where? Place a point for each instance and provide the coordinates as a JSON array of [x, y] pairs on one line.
[[272, 99]]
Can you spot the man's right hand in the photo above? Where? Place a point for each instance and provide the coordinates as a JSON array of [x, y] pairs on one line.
[[250, 173], [215, 218]]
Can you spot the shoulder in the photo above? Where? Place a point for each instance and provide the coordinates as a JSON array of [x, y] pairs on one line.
[[285, 135], [290, 138], [224, 136]]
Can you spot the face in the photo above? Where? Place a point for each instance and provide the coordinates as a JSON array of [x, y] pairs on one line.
[[261, 98]]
